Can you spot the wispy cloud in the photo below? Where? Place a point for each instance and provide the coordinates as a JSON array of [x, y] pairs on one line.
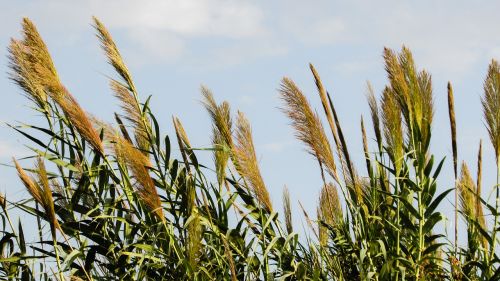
[[448, 36], [235, 19]]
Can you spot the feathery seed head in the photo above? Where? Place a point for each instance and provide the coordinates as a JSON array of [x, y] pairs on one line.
[[125, 93], [479, 204], [365, 146], [329, 211], [393, 130], [22, 74], [138, 164], [374, 111], [112, 53], [222, 131], [33, 70], [308, 127], [287, 210], [471, 207], [491, 105], [466, 189], [246, 161], [412, 89], [133, 114], [329, 205], [29, 183], [40, 191]]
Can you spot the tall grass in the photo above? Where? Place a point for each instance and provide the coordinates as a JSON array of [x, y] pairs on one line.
[[120, 205]]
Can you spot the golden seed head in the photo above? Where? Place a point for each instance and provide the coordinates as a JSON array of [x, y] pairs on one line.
[[308, 127], [247, 164], [222, 139], [491, 105], [138, 164]]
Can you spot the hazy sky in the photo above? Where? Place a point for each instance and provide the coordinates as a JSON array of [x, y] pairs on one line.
[[241, 50]]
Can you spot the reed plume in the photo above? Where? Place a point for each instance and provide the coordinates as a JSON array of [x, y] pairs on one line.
[[329, 210], [479, 206], [329, 113], [322, 230], [413, 91], [365, 147], [330, 207], [222, 131], [113, 54], [491, 110], [182, 138], [491, 105], [375, 115], [126, 93], [397, 81], [466, 189], [393, 129], [453, 126], [194, 228], [287, 210], [133, 114], [246, 164], [138, 164], [179, 129], [41, 192], [80, 120], [31, 64], [470, 205], [22, 74], [427, 102], [308, 127]]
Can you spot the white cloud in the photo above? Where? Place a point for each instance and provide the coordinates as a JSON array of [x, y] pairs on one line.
[[160, 30], [447, 36], [166, 47], [228, 18]]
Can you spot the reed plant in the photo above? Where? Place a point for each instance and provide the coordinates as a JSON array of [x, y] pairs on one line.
[[120, 205]]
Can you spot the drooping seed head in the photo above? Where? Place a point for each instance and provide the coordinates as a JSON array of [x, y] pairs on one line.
[[246, 164], [307, 125]]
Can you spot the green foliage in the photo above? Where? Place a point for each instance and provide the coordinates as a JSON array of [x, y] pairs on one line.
[[121, 206]]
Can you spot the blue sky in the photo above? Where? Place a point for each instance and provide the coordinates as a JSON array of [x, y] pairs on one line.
[[241, 50]]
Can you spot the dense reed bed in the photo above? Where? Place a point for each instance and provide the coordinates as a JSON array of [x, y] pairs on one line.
[[115, 203]]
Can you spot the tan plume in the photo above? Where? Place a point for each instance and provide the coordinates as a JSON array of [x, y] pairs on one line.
[[246, 164], [138, 164], [308, 127]]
